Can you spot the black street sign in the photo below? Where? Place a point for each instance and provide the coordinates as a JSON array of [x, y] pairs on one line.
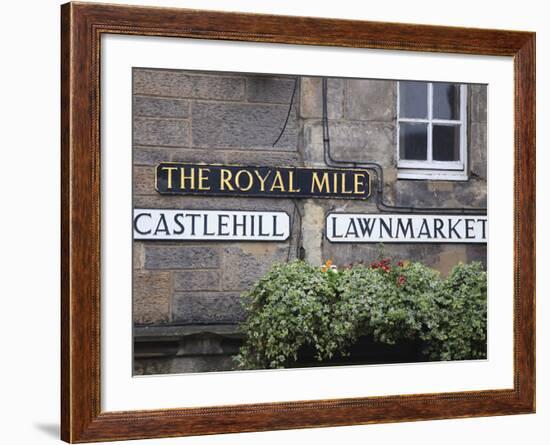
[[174, 178]]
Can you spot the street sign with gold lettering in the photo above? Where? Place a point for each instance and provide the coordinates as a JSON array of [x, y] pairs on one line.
[[174, 178]]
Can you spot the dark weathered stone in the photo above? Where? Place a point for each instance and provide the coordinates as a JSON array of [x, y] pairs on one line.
[[478, 103], [176, 365], [166, 132], [269, 89], [478, 150], [144, 180], [225, 125], [351, 142], [246, 263], [181, 257], [472, 194], [160, 107], [198, 156], [212, 203], [370, 100], [447, 194], [207, 307], [311, 98], [185, 84], [151, 297], [137, 255], [151, 155], [264, 158], [170, 332], [197, 280], [477, 252], [363, 142]]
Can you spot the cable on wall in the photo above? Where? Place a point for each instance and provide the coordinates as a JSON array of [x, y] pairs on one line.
[[288, 113]]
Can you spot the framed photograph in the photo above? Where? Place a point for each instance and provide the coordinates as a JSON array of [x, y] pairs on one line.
[[274, 222]]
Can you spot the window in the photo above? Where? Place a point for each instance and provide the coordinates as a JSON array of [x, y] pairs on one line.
[[431, 130]]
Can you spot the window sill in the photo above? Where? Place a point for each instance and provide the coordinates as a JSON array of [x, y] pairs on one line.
[[432, 175]]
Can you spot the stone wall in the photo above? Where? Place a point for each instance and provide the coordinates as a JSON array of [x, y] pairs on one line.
[[200, 117], [190, 291], [363, 127]]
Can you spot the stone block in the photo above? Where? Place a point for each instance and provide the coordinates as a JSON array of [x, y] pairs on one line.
[[449, 257], [198, 156], [244, 264], [472, 193], [207, 307], [181, 257], [478, 150], [264, 158], [151, 155], [344, 254], [477, 252], [144, 180], [178, 365], [137, 255], [478, 103], [160, 107], [440, 186], [350, 142], [186, 84], [226, 125], [212, 203], [313, 224], [312, 137], [163, 132], [269, 89], [370, 100], [311, 98], [191, 280], [363, 142], [151, 297]]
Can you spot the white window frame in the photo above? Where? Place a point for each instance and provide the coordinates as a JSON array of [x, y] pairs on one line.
[[430, 169]]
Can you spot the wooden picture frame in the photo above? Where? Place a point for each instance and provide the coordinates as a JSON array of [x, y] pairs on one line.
[[82, 26]]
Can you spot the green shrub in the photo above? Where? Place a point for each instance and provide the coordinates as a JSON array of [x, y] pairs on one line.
[[461, 331], [297, 305], [391, 304], [288, 308]]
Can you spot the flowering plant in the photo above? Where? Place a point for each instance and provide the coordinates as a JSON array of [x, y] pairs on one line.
[[297, 305]]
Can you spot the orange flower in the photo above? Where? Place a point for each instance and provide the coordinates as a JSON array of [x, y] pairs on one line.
[[325, 267]]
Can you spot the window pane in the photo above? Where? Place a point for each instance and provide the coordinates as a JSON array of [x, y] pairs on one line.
[[413, 141], [446, 143], [446, 97], [413, 99]]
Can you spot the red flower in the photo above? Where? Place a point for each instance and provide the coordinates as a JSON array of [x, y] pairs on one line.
[[401, 280]]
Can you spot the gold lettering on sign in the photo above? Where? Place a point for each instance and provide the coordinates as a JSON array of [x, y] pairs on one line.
[[238, 180], [190, 178], [203, 178], [322, 185], [291, 188], [169, 170], [278, 182], [335, 182], [262, 179], [344, 191], [225, 178], [357, 183]]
